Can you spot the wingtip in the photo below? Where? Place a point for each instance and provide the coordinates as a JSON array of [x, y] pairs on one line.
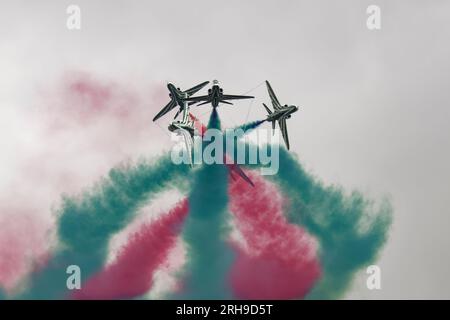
[[250, 182]]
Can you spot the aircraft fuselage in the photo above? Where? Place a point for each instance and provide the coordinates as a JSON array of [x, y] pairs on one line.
[[215, 95], [176, 94], [285, 112]]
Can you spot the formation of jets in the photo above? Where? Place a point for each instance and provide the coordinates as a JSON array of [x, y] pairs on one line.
[[185, 99]]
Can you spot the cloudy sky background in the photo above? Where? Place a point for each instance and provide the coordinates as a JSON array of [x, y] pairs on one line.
[[374, 104]]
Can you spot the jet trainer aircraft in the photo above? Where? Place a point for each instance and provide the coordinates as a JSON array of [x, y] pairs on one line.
[[177, 98], [215, 96], [280, 114], [185, 128]]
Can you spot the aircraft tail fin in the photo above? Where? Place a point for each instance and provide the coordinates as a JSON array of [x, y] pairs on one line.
[[273, 121]]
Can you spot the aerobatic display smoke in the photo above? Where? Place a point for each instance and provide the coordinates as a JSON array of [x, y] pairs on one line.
[[210, 257], [289, 236]]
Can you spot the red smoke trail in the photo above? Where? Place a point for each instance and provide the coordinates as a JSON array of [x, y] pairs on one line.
[[200, 127], [81, 127], [131, 274], [22, 246], [278, 260]]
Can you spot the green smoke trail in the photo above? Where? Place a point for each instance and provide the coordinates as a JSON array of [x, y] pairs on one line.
[[249, 125], [210, 256], [350, 229], [230, 141], [87, 223]]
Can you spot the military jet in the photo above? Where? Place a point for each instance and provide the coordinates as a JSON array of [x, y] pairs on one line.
[[280, 114], [177, 98], [215, 96], [185, 128]]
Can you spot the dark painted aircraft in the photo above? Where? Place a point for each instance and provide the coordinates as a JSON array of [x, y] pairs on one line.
[[280, 114], [215, 96], [186, 129], [177, 98]]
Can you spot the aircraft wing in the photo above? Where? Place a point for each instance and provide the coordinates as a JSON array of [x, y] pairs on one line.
[[234, 97], [237, 169], [206, 102], [172, 104], [197, 99], [284, 133], [273, 97], [198, 87]]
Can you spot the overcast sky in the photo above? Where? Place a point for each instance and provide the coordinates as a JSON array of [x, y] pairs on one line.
[[374, 104]]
